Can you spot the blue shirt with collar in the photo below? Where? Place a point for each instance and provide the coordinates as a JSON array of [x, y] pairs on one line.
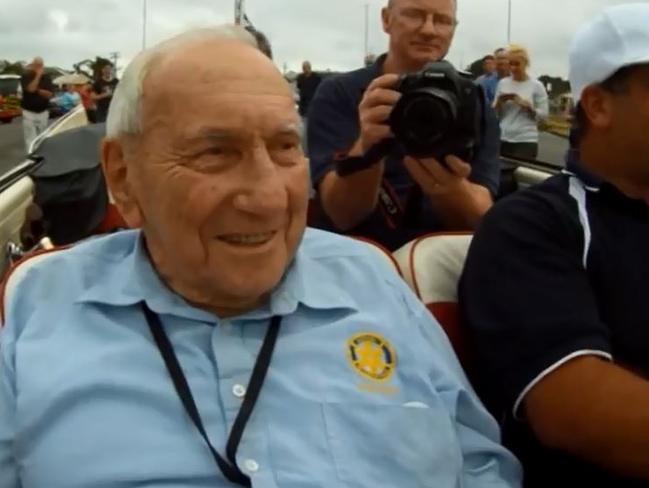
[[489, 83], [363, 389], [334, 127]]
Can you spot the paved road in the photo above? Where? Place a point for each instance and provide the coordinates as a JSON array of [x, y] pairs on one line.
[[551, 149], [12, 147]]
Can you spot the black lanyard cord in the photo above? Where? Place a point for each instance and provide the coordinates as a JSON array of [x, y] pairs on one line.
[[254, 388], [229, 469]]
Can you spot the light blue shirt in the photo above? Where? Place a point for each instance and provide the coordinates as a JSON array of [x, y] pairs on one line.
[[489, 83], [363, 389], [68, 100]]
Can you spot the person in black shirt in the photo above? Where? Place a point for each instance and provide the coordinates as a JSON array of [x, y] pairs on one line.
[[37, 92], [307, 84], [395, 199], [103, 90], [556, 281]]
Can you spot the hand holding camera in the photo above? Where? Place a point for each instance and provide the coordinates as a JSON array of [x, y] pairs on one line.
[[374, 110], [427, 116], [435, 178], [438, 123], [439, 114]]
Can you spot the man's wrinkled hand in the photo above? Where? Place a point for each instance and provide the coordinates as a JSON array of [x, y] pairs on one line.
[[436, 179], [374, 110]]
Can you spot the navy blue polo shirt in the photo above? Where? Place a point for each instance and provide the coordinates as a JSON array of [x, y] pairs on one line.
[[555, 272], [334, 127]]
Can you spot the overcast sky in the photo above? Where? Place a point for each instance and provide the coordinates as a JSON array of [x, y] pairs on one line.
[[330, 33]]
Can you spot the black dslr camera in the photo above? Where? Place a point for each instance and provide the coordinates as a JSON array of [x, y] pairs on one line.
[[440, 113]]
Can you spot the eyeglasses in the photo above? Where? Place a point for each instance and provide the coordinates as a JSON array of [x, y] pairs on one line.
[[416, 18], [514, 63]]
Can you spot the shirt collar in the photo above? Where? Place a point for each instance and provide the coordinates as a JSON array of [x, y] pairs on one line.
[[575, 167], [131, 278], [376, 68], [301, 285]]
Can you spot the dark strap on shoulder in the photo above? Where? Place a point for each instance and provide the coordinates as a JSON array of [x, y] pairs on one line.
[[484, 106], [229, 469]]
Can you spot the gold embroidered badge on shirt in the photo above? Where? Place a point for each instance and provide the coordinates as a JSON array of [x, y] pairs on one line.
[[372, 356]]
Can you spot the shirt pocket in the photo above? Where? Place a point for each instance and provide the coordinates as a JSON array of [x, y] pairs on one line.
[[299, 452], [405, 446]]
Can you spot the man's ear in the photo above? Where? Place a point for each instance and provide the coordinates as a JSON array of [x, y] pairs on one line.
[[597, 105], [386, 18], [119, 181]]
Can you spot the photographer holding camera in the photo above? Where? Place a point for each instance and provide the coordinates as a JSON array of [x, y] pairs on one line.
[[406, 146]]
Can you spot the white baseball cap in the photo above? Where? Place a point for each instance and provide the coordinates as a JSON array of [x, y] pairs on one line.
[[616, 38]]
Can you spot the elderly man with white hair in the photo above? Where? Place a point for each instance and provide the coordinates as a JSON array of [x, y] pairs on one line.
[[221, 343]]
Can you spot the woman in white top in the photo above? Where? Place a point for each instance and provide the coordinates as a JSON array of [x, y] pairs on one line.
[[521, 103]]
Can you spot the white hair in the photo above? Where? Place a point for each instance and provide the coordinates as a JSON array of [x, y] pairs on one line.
[[124, 115]]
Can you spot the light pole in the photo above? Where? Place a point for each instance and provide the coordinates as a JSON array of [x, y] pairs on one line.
[[367, 31], [239, 11], [144, 20], [509, 22], [114, 56]]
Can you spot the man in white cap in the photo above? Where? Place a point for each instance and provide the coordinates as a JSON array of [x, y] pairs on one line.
[[555, 286]]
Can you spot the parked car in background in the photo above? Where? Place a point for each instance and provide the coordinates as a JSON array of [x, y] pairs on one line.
[[10, 95]]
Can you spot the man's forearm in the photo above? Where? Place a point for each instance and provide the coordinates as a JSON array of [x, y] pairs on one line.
[[33, 86], [349, 200], [597, 411], [462, 210]]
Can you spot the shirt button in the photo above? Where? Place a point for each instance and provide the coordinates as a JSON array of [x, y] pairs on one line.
[[251, 465], [239, 391]]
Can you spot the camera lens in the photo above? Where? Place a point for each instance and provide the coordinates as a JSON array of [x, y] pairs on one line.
[[437, 114], [427, 118]]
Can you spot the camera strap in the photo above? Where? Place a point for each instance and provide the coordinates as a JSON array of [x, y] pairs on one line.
[[410, 215], [414, 204], [390, 205], [400, 215], [484, 106], [228, 467], [346, 165]]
